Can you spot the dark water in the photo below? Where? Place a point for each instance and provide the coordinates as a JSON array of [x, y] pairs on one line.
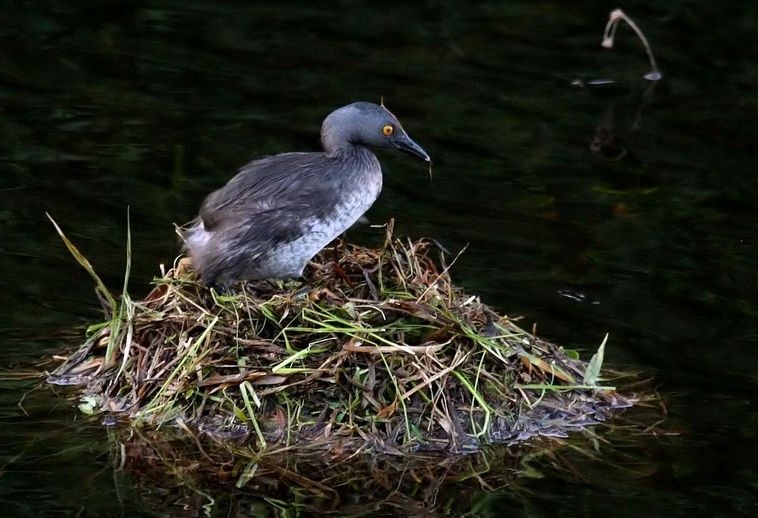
[[150, 105]]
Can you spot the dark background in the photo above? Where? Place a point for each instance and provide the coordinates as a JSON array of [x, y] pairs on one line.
[[149, 106]]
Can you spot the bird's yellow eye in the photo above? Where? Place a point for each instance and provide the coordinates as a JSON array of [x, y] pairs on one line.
[[388, 130]]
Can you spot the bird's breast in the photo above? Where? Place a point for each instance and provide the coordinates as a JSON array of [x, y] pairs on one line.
[[355, 196]]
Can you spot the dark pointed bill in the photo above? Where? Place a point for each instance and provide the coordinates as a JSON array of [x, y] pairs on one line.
[[405, 143]]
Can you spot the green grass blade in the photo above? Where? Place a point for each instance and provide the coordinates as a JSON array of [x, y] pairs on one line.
[[592, 374], [86, 265]]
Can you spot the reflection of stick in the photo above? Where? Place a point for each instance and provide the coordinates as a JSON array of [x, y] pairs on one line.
[[610, 32]]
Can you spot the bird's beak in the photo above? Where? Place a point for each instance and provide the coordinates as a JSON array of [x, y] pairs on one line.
[[405, 143]]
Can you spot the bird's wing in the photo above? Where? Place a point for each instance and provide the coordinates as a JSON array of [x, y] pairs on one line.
[[269, 196]]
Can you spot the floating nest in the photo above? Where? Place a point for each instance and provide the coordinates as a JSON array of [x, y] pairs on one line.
[[376, 349]]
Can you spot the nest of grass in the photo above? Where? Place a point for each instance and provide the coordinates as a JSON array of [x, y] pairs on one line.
[[377, 348]]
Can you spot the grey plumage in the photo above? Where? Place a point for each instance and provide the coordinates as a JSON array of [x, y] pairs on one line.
[[279, 211]]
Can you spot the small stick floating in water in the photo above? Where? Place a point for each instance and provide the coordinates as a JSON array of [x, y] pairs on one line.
[[616, 16]]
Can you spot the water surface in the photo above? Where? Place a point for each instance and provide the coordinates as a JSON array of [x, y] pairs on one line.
[[651, 237]]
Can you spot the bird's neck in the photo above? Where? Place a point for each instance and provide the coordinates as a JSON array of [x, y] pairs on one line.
[[347, 151]]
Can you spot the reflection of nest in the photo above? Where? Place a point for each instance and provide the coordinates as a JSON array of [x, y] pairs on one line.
[[186, 474], [377, 350], [230, 482]]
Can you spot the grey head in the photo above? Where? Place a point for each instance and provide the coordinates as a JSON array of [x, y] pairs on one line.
[[366, 124]]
